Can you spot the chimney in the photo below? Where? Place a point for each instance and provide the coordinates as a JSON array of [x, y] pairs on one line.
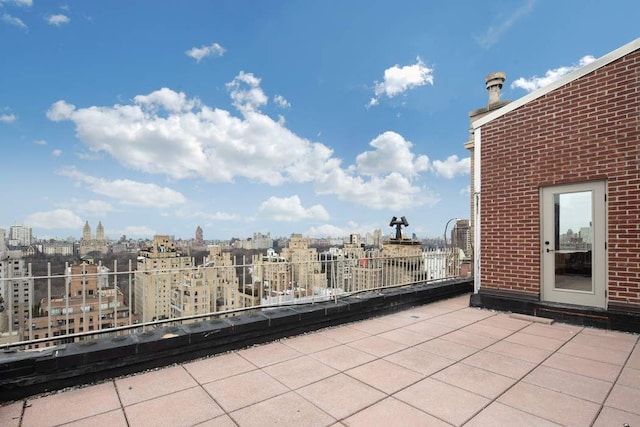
[[494, 83]]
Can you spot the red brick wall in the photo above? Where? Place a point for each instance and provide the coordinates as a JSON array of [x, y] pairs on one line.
[[586, 130]]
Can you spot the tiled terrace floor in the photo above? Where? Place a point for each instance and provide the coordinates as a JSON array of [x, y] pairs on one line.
[[440, 364]]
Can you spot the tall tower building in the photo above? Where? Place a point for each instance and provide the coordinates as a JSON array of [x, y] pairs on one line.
[[86, 231], [16, 289], [199, 237], [159, 271], [90, 245], [100, 231], [20, 235]]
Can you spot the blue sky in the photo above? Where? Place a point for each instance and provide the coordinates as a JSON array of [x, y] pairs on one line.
[[317, 117]]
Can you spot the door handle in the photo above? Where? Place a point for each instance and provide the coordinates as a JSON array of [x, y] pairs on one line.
[[550, 250]]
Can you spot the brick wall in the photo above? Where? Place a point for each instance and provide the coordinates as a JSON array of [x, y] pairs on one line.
[[586, 130]]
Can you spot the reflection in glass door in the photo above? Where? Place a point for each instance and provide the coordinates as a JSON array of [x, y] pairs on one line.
[[573, 244]]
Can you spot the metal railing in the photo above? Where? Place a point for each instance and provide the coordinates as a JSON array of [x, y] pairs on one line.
[[92, 301]]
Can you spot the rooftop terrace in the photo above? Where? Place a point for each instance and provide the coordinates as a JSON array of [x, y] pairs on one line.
[[442, 363]]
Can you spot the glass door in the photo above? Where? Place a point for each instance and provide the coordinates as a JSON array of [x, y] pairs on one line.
[[573, 244]]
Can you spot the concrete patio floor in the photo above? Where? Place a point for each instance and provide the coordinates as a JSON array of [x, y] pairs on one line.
[[439, 364]]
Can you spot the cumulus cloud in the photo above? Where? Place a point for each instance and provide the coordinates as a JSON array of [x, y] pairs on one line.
[[8, 118], [392, 153], [199, 53], [139, 231], [398, 80], [12, 20], [452, 167], [25, 3], [58, 20], [281, 101], [534, 83], [495, 32], [56, 219], [95, 208], [56, 153], [166, 132], [290, 209], [128, 192], [40, 142]]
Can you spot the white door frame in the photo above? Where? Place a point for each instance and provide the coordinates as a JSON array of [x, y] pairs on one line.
[[595, 293]]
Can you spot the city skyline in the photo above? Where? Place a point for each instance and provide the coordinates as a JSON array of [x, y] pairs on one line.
[[288, 117]]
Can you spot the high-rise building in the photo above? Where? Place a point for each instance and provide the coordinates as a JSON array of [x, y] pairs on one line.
[[461, 236], [159, 271], [16, 290], [20, 235], [3, 243], [199, 238], [90, 245]]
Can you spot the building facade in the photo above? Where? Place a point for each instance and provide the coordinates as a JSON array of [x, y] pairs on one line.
[[557, 179], [90, 244]]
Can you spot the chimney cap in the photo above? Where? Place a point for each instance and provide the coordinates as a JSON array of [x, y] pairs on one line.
[[496, 78]]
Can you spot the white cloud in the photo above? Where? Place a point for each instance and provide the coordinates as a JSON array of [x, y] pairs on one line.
[[58, 20], [290, 209], [281, 101], [165, 132], [398, 80], [392, 153], [495, 32], [56, 153], [128, 192], [452, 166], [465, 191], [40, 142], [25, 3], [12, 20], [58, 218], [199, 53], [534, 83], [8, 118], [95, 208], [335, 231]]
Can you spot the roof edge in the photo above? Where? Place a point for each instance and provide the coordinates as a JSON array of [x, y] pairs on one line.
[[574, 75]]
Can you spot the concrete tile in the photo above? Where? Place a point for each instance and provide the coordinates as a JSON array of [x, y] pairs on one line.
[[475, 380], [221, 421], [614, 417], [340, 396], [269, 354], [538, 341], [630, 377], [377, 346], [634, 359], [10, 414], [499, 364], [385, 376], [299, 372], [72, 405], [444, 401], [606, 355], [372, 326], [344, 334], [618, 341], [469, 339], [419, 361], [472, 314], [562, 333], [557, 407], [243, 390], [287, 409], [310, 343], [149, 385], [451, 321], [429, 329], [183, 408], [218, 367], [404, 336], [624, 398], [487, 330], [342, 357], [503, 321], [519, 351], [586, 367], [390, 413], [569, 383], [112, 419], [448, 349], [498, 414]]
